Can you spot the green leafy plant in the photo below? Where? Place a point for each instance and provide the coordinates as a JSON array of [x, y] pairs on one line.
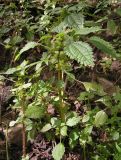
[[44, 49]]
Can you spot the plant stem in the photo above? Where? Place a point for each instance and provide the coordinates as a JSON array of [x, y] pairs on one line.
[[84, 151], [23, 131], [60, 90]]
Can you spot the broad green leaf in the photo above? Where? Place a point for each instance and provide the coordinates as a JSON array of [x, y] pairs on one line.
[[73, 138], [28, 46], [70, 76], [100, 118], [103, 45], [86, 30], [55, 122], [7, 40], [11, 70], [27, 85], [85, 96], [118, 11], [71, 114], [29, 124], [111, 26], [81, 52], [118, 148], [106, 100], [88, 129], [38, 66], [91, 86], [15, 40], [58, 151], [63, 131], [46, 128], [34, 112], [85, 118], [116, 136], [74, 134], [24, 86], [95, 87], [2, 78], [73, 121]]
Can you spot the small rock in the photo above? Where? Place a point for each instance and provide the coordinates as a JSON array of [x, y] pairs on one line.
[[15, 135]]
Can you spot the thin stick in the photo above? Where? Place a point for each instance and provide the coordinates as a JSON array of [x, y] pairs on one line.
[[23, 131], [7, 154], [0, 114], [6, 140], [24, 140]]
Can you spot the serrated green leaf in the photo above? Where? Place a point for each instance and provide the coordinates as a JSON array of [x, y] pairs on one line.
[[4, 30], [28, 46], [34, 112], [103, 45], [73, 121], [86, 30], [60, 28], [81, 52], [100, 118], [58, 151], [75, 20], [46, 128]]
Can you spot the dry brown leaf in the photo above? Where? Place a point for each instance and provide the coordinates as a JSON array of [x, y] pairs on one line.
[[116, 65], [107, 85]]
